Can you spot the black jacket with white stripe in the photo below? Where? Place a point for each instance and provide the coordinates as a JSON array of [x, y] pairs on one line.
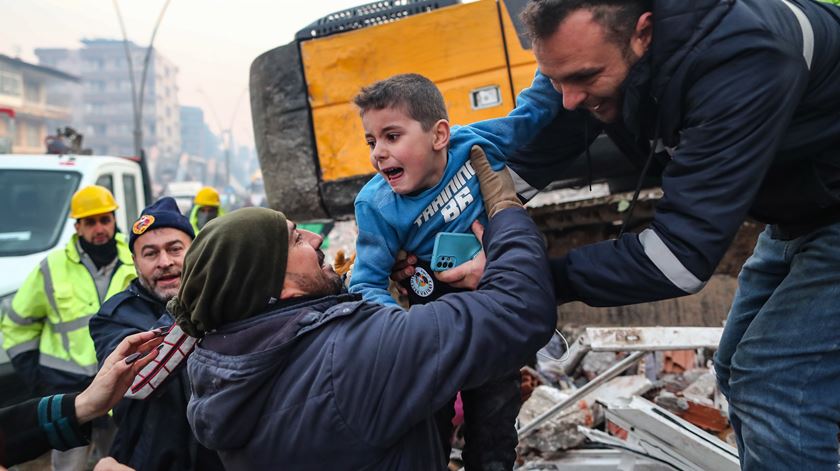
[[745, 97]]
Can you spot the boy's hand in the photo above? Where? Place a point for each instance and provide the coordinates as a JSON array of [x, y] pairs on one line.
[[467, 274], [497, 188], [402, 270], [342, 263]]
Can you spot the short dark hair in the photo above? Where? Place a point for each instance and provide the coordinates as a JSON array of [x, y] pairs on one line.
[[419, 96], [618, 17]]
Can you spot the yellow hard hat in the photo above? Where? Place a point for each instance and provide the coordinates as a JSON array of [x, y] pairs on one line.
[[207, 196], [92, 200]]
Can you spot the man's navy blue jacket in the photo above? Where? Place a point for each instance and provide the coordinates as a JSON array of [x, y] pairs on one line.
[[340, 383], [152, 434], [747, 112]]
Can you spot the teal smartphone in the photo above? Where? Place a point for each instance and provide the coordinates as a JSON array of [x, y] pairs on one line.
[[452, 249]]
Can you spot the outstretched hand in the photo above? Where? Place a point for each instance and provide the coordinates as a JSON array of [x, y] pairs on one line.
[[116, 375], [468, 274]]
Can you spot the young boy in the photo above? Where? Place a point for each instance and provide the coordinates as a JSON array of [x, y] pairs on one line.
[[425, 185]]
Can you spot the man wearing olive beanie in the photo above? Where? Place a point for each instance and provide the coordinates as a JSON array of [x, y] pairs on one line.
[[233, 270], [294, 373]]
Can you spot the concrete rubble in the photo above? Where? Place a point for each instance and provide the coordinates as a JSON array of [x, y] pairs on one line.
[[561, 432], [696, 404], [677, 381]]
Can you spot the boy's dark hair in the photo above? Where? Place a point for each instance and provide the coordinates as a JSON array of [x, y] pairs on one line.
[[419, 96], [618, 17]]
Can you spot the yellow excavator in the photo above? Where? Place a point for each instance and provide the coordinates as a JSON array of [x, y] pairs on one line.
[[309, 137], [314, 158]]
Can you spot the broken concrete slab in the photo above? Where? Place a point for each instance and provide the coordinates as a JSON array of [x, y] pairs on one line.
[[596, 363], [702, 390], [668, 437], [616, 388], [671, 401], [696, 402], [603, 459], [560, 432]]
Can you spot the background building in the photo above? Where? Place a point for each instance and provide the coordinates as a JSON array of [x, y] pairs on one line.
[[42, 100], [106, 100], [201, 146]]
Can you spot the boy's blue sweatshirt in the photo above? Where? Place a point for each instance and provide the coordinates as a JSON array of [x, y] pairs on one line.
[[389, 222]]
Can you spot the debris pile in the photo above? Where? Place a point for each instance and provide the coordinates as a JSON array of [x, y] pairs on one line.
[[677, 387]]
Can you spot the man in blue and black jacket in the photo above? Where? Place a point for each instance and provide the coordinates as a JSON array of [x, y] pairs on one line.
[[736, 103], [153, 433], [293, 373]]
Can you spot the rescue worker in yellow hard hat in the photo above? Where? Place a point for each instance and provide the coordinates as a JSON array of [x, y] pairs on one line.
[[206, 206], [45, 331]]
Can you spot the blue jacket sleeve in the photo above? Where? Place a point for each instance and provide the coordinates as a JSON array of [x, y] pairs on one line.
[[416, 361], [536, 106], [548, 157], [376, 252], [730, 134]]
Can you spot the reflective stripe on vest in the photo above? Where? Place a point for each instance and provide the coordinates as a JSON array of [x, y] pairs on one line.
[[20, 320], [49, 289], [23, 347], [70, 326], [66, 365]]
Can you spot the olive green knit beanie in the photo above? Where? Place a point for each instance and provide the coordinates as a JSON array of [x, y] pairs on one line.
[[233, 270]]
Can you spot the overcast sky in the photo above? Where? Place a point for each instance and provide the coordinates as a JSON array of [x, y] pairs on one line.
[[212, 42]]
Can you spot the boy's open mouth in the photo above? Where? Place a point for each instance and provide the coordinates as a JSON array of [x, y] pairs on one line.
[[392, 173]]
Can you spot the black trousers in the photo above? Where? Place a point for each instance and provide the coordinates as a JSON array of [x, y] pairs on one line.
[[490, 410]]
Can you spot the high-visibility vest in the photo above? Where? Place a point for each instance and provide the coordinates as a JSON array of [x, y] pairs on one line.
[[51, 311], [194, 216]]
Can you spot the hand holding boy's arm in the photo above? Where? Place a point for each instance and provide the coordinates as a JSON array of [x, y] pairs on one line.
[[402, 270], [498, 193]]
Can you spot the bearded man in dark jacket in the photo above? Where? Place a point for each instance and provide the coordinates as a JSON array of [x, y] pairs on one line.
[[293, 373], [736, 104], [153, 433]]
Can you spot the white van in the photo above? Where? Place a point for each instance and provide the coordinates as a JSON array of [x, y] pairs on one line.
[[35, 192], [183, 193]]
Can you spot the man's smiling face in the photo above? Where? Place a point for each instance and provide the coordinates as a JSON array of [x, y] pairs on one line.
[[586, 66], [159, 259]]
